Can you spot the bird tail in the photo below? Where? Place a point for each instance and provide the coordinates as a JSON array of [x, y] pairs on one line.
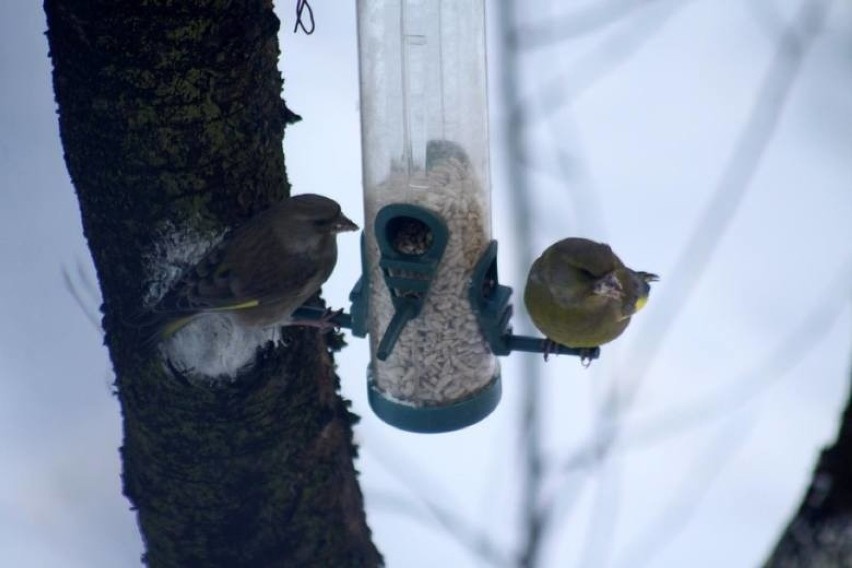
[[172, 327], [154, 327]]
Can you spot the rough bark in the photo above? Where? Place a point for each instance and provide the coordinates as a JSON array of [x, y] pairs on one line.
[[170, 113], [820, 534]]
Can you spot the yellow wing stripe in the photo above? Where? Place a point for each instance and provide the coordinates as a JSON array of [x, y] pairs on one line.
[[242, 306], [173, 327]]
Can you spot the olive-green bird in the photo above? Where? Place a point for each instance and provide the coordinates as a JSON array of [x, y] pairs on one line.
[[262, 271], [580, 294]]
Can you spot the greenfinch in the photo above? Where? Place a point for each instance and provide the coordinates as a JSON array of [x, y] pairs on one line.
[[262, 271], [580, 294]]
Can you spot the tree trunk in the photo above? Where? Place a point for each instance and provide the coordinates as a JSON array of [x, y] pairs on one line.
[[820, 534], [170, 115]]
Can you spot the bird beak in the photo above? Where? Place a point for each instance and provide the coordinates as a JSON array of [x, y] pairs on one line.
[[649, 277], [344, 224]]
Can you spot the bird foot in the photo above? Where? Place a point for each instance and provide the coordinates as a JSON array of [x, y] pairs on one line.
[[586, 356], [324, 323], [549, 347], [586, 353]]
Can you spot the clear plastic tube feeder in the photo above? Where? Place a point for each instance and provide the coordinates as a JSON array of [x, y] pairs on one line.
[[424, 123]]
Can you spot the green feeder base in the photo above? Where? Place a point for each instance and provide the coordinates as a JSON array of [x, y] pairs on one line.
[[435, 419]]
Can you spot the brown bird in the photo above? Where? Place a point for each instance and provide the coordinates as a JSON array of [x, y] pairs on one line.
[[260, 272]]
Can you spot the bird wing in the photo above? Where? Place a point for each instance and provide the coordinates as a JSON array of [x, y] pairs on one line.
[[244, 271], [281, 280], [277, 257]]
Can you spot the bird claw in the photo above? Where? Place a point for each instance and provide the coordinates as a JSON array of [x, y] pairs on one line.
[[324, 323], [549, 346], [586, 354]]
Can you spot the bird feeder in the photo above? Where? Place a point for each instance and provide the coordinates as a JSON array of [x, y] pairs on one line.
[[424, 126]]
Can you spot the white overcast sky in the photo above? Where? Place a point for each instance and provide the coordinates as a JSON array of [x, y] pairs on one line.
[[648, 142]]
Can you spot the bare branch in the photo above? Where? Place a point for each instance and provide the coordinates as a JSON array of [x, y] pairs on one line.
[[739, 392], [589, 19], [530, 438], [589, 216], [736, 178], [766, 16], [75, 290], [604, 515], [474, 540], [791, 350], [605, 58], [683, 501]]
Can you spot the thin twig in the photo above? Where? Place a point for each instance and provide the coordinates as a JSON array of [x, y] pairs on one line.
[[683, 501], [735, 395], [475, 541], [561, 91], [530, 426], [83, 304], [587, 20], [736, 178]]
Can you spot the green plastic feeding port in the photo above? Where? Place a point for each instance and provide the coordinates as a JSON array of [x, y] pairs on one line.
[[411, 242], [411, 349]]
